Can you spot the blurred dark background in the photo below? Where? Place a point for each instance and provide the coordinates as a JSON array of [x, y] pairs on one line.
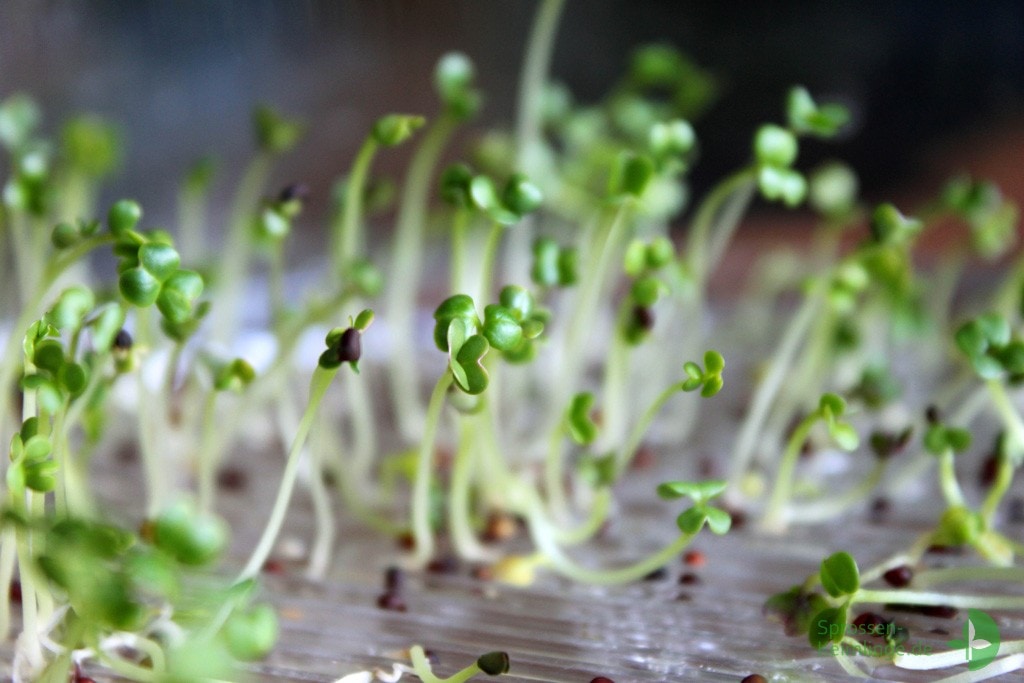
[[932, 84]]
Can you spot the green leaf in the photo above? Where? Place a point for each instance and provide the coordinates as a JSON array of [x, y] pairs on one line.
[[719, 521], [775, 146], [711, 386], [692, 520], [179, 294], [831, 406], [827, 626], [191, 537], [544, 271], [521, 196], [275, 133], [251, 634], [581, 426], [632, 174], [844, 435], [395, 129], [106, 325], [840, 575], [501, 328], [123, 216], [470, 359], [713, 362], [458, 306], [48, 355], [139, 287], [73, 377], [698, 491]]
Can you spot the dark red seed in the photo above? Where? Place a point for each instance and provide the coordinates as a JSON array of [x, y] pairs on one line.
[[232, 479], [898, 577], [643, 317], [275, 567], [391, 601], [122, 340], [644, 458], [694, 558], [601, 679], [482, 572], [689, 579], [14, 592], [406, 541], [754, 678], [931, 414], [446, 564], [298, 191], [394, 579], [989, 470], [350, 346], [880, 508], [874, 624]]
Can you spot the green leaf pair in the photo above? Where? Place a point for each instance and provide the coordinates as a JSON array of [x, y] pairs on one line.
[[890, 226], [939, 438], [190, 537], [553, 264], [630, 176], [692, 520], [988, 343], [394, 129], [645, 257], [344, 344], [274, 133], [708, 379], [840, 577], [453, 79], [806, 117], [831, 408], [991, 218], [31, 466], [518, 198], [579, 421], [56, 377]]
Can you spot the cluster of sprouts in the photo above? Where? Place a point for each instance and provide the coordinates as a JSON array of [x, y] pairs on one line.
[[573, 326]]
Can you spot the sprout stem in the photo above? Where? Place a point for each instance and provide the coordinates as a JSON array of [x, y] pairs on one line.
[[420, 512], [1011, 418], [348, 234], [834, 505], [769, 387], [424, 672], [463, 537], [947, 480], [318, 385], [775, 516], [912, 597], [715, 223], [237, 248], [405, 266]]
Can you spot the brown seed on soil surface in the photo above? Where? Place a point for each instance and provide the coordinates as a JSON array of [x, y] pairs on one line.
[[694, 558], [898, 577], [391, 600], [232, 478], [689, 579], [754, 678]]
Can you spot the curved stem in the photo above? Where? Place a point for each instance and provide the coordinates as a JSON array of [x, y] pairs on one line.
[[420, 511], [947, 480], [775, 515], [636, 435], [348, 234], [459, 524], [1011, 418], [769, 387], [237, 249], [914, 597], [405, 270], [716, 221], [835, 505], [421, 665], [546, 543], [317, 388]]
